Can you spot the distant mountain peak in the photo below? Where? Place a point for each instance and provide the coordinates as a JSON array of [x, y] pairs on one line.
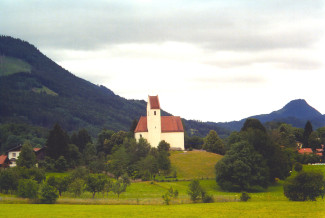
[[299, 108]]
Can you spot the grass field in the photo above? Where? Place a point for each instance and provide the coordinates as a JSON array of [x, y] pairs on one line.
[[194, 164], [10, 65], [225, 209], [143, 199]]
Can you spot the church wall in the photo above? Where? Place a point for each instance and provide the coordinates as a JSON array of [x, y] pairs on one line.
[[175, 139]]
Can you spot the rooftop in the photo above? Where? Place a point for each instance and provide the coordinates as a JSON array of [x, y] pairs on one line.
[[154, 102]]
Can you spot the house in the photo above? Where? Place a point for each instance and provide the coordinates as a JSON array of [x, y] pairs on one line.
[[305, 151], [156, 128], [4, 161], [13, 154]]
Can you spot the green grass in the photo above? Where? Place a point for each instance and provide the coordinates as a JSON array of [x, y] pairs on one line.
[[45, 90], [225, 209], [9, 65], [194, 164]]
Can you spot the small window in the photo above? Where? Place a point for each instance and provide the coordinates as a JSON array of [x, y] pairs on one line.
[[140, 135], [154, 112], [13, 154]]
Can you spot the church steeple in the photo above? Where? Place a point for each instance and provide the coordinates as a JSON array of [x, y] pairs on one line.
[[154, 119]]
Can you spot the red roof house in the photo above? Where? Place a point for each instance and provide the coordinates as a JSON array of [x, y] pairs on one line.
[[305, 151], [4, 161]]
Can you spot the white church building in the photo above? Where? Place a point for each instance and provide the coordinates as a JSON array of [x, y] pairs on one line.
[[156, 128]]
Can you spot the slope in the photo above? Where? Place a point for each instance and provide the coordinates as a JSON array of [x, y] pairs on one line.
[[194, 164]]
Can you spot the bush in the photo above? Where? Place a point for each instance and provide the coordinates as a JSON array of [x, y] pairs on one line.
[[194, 190], [206, 198], [304, 186], [27, 188], [48, 194], [298, 167], [244, 196]]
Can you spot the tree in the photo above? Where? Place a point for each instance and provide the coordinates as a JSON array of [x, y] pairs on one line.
[[119, 162], [8, 180], [277, 162], [57, 142], [194, 190], [164, 161], [27, 157], [148, 167], [307, 131], [163, 146], [95, 183], [89, 153], [213, 143], [314, 141], [104, 136], [61, 164], [133, 125], [119, 187], [27, 188], [304, 186], [48, 194], [77, 187], [252, 123], [241, 168]]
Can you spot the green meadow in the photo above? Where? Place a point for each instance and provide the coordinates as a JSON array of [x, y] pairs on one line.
[[9, 65], [143, 199]]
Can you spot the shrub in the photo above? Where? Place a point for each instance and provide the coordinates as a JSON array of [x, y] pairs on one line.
[[298, 167], [194, 190], [206, 198], [304, 186], [27, 188], [48, 194], [244, 196]]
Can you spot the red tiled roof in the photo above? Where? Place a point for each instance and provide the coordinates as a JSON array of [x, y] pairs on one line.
[[154, 102], [305, 151], [36, 149], [3, 159], [319, 154], [168, 124], [319, 150], [171, 124], [142, 125]]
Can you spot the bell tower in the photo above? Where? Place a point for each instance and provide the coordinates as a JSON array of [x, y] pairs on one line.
[[154, 120]]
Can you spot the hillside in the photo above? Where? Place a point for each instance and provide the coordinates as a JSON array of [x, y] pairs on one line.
[[36, 91], [194, 164]]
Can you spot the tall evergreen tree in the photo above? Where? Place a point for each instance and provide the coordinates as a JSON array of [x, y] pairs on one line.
[[308, 130], [57, 142]]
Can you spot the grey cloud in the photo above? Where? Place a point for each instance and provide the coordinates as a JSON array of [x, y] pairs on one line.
[[220, 26]]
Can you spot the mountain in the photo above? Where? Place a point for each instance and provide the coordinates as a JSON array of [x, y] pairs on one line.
[[296, 113], [35, 90]]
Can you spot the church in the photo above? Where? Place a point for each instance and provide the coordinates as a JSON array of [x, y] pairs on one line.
[[156, 128]]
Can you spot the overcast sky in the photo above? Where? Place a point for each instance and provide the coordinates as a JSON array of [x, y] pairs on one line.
[[211, 60]]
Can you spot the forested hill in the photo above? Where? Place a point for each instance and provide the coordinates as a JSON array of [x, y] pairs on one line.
[[37, 91]]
